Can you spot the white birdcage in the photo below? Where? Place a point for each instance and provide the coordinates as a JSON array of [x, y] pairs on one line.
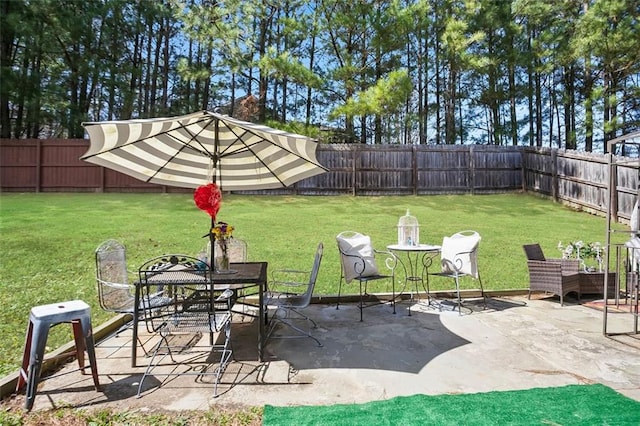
[[408, 230]]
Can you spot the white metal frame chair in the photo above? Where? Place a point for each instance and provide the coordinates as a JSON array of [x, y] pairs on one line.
[[459, 258], [288, 294], [115, 293], [196, 309], [358, 262]]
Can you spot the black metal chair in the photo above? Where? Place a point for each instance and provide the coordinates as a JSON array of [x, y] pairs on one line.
[[358, 262], [196, 308]]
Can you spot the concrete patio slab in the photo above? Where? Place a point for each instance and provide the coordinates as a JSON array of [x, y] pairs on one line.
[[513, 344]]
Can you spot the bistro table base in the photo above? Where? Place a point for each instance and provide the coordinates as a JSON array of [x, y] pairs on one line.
[[416, 265]]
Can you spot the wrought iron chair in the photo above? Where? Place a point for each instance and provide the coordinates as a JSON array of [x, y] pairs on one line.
[[358, 262], [115, 293], [459, 258], [288, 294], [556, 276], [196, 309]]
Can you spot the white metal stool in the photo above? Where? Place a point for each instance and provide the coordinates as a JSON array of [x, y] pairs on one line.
[[41, 319]]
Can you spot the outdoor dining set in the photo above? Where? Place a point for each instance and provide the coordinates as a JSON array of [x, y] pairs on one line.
[[189, 303]]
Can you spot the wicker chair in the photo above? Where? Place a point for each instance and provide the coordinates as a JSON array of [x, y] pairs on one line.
[[557, 276]]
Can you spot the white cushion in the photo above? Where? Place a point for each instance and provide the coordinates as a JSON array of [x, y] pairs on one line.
[[456, 249], [355, 244]]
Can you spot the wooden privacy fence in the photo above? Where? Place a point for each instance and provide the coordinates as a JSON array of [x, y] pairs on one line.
[[579, 179]]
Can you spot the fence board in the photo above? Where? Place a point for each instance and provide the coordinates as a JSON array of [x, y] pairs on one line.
[[576, 178]]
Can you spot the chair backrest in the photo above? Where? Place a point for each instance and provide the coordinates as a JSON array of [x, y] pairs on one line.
[[459, 253], [114, 291], [313, 276], [177, 285], [303, 300], [237, 250], [357, 256], [533, 252]]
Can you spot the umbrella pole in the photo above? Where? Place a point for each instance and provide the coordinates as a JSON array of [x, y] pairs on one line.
[[212, 242]]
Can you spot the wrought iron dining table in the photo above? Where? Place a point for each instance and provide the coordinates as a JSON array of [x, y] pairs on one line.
[[247, 280]]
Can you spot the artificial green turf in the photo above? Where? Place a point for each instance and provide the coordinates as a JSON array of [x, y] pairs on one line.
[[567, 405]]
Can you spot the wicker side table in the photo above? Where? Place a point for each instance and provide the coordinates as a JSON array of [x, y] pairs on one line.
[[593, 283]]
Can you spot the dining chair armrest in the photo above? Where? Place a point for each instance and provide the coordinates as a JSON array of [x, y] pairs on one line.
[[544, 270], [568, 266], [390, 258]]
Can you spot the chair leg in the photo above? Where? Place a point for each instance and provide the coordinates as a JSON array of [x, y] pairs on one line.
[[427, 289], [78, 337], [36, 357], [287, 320], [482, 293], [458, 292], [226, 354], [87, 341], [23, 375], [361, 301], [393, 297], [339, 292]]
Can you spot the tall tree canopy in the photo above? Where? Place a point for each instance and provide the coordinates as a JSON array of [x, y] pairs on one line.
[[559, 73]]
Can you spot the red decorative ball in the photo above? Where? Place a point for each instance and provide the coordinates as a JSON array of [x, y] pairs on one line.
[[208, 198]]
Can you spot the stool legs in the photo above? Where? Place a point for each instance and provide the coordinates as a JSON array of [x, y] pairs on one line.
[[88, 343], [35, 343], [35, 348]]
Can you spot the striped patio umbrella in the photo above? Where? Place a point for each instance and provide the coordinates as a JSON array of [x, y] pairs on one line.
[[200, 148]]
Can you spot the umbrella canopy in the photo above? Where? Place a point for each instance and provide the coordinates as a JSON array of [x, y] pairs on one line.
[[200, 148]]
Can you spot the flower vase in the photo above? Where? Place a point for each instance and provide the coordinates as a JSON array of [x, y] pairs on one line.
[[221, 256]]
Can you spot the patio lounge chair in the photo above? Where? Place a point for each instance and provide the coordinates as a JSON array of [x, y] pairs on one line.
[[289, 295], [556, 276]]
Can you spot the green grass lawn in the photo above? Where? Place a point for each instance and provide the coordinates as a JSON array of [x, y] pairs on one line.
[[48, 240]]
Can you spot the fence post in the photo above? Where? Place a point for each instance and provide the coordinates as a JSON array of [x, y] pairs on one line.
[[414, 169], [38, 165], [354, 152], [103, 179], [554, 174], [523, 161], [472, 170]]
